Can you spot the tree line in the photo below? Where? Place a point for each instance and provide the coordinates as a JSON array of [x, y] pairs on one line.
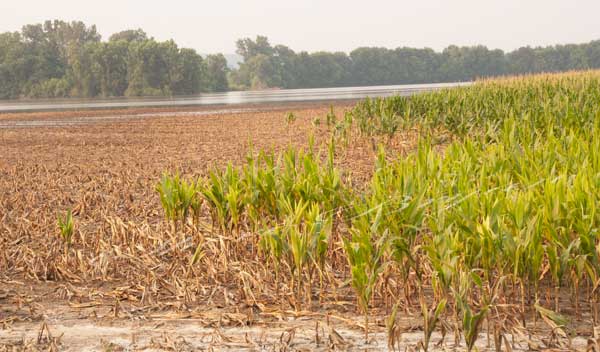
[[69, 59], [267, 66], [60, 59]]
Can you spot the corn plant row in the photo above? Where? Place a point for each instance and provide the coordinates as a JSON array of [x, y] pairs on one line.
[[555, 101]]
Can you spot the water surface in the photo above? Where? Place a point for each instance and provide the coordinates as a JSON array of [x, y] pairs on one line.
[[228, 98]]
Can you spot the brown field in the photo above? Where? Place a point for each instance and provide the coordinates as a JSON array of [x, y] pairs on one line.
[[127, 283], [128, 267]]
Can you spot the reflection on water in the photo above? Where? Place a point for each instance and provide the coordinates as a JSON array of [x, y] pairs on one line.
[[89, 120], [229, 98]]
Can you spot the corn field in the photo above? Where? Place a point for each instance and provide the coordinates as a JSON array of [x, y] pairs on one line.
[[485, 230], [502, 221]]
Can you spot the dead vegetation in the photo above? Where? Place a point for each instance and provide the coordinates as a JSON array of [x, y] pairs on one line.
[[123, 256]]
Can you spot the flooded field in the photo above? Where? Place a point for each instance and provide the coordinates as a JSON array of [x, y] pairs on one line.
[[127, 278], [104, 164], [228, 98]]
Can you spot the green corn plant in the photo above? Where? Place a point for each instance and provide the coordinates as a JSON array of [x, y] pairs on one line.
[[348, 118], [168, 197], [393, 331], [397, 190], [235, 205], [316, 122], [389, 122], [330, 181], [290, 118], [66, 227], [430, 319], [259, 180], [298, 245], [196, 201], [471, 321], [288, 178], [214, 192], [364, 251], [178, 198], [318, 228], [443, 258], [272, 242], [187, 193], [225, 195], [297, 242], [331, 117], [343, 129]]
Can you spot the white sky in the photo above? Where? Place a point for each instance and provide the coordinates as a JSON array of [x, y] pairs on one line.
[[332, 25]]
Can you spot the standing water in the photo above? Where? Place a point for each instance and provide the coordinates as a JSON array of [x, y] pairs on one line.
[[228, 98]]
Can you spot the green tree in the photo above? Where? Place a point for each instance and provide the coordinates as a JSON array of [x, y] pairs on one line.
[[130, 35], [216, 73], [110, 68], [249, 48]]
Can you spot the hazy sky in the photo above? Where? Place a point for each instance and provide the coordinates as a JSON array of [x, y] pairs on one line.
[[332, 25]]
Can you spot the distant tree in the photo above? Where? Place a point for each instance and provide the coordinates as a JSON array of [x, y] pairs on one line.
[[287, 66], [80, 72], [130, 35], [192, 73], [14, 65], [373, 65], [523, 60], [592, 53], [55, 37], [249, 48], [147, 69], [327, 69], [216, 73], [110, 68]]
